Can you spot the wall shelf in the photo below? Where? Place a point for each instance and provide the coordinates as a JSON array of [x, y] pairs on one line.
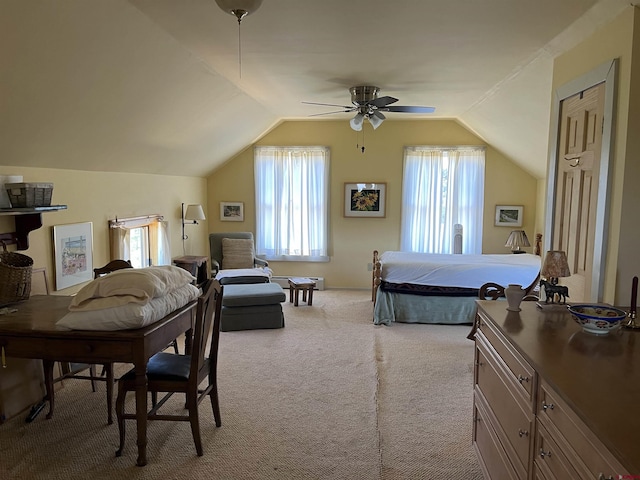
[[27, 220]]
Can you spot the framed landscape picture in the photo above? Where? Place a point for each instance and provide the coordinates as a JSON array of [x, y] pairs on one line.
[[73, 254], [232, 211], [509, 215], [364, 199]]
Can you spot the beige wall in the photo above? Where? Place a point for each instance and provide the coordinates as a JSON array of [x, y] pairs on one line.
[[352, 240], [98, 197], [619, 39]]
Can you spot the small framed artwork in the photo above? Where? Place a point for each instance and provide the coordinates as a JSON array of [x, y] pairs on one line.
[[364, 199], [232, 211], [509, 215], [73, 254]]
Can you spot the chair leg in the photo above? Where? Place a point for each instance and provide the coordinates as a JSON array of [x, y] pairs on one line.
[[92, 374], [109, 369], [192, 405], [175, 346], [47, 366], [213, 395], [120, 417]]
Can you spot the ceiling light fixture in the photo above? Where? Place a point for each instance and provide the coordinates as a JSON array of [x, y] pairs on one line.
[[239, 9]]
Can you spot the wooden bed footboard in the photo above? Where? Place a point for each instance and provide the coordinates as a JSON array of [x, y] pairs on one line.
[[377, 272]]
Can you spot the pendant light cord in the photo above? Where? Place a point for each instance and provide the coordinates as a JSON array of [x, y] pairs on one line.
[[239, 49]]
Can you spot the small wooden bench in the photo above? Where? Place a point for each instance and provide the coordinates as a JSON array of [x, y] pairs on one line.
[[296, 284]]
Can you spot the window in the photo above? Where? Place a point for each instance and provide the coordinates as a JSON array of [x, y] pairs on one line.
[[292, 203], [142, 240], [442, 187]]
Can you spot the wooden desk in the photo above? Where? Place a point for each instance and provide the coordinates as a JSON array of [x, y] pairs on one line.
[[31, 332]]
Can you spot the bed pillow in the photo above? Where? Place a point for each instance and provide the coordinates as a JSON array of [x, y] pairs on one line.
[[237, 253], [130, 315], [130, 285]]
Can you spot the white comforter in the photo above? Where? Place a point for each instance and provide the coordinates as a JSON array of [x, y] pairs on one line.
[[465, 271]]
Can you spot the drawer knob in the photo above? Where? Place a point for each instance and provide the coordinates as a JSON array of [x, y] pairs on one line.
[[522, 379], [546, 406], [523, 433], [544, 454]]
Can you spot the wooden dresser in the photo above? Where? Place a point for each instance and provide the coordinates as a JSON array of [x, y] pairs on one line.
[[552, 402]]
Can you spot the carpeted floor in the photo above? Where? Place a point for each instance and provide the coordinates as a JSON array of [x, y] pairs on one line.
[[330, 396]]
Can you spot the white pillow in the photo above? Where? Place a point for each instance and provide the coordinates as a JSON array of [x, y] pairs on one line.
[[130, 285], [130, 315]]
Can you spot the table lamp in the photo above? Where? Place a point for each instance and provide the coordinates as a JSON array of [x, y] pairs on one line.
[[555, 266], [516, 240]]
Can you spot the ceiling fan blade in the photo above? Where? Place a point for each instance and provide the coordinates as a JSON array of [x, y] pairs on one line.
[[409, 109], [330, 113], [330, 105], [383, 101]]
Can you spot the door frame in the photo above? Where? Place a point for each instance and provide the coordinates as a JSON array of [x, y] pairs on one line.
[[607, 73]]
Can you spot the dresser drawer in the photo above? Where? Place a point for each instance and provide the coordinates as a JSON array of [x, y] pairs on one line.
[[586, 453], [550, 459], [515, 420], [522, 372], [493, 459]]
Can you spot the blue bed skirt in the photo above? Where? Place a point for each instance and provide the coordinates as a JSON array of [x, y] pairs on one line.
[[405, 308]]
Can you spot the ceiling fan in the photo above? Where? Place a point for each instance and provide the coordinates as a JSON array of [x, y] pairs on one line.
[[367, 104]]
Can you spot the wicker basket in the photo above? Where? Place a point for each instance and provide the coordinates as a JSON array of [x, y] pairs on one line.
[[15, 276], [29, 195]]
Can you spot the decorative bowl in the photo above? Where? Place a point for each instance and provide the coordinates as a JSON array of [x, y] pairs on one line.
[[597, 319]]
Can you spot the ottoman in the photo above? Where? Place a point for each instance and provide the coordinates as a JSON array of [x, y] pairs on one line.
[[252, 306]]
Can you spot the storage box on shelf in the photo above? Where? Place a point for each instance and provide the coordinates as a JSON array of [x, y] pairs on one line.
[[26, 195]]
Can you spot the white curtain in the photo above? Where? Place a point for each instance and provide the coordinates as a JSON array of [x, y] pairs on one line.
[[158, 250], [292, 203], [442, 186]]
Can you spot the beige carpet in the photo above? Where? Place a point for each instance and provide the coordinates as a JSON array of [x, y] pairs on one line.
[[330, 396]]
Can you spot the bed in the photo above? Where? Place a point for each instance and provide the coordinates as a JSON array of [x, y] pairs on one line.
[[411, 287]]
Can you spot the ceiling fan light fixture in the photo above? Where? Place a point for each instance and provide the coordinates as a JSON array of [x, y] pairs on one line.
[[239, 8], [357, 121], [375, 121]]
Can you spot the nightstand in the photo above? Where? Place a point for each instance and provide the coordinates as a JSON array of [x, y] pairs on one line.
[[195, 265]]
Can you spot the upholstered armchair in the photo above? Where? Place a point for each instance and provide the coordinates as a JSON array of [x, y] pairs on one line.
[[233, 250]]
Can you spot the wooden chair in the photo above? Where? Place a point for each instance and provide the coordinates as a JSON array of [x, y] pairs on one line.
[[112, 266], [169, 373], [494, 291]]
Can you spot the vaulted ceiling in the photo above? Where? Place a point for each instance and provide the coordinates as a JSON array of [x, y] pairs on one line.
[[156, 86]]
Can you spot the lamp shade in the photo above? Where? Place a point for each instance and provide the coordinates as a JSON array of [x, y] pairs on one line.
[[194, 212], [375, 121], [517, 239], [356, 122], [555, 265]]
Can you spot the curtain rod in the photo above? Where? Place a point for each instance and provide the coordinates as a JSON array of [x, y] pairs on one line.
[[135, 221]]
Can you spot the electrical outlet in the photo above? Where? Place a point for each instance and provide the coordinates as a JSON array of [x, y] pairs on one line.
[[369, 267]]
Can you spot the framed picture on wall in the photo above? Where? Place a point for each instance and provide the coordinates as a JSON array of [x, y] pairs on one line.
[[232, 211], [509, 215], [73, 254], [364, 199]]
